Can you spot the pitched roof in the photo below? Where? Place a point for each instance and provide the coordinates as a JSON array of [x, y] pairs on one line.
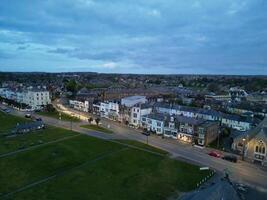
[[253, 132]]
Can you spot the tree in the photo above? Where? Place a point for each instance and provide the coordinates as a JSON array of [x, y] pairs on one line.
[[97, 120], [50, 108], [213, 87], [71, 86], [90, 120], [226, 132]]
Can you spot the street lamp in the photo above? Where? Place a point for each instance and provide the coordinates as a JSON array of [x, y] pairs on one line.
[[243, 152], [72, 115]]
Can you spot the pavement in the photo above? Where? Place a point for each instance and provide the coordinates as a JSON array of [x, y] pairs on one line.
[[241, 172]]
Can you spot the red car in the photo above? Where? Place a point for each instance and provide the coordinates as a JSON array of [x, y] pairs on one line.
[[214, 154]]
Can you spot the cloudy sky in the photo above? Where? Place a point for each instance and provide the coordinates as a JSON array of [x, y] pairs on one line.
[[134, 36]]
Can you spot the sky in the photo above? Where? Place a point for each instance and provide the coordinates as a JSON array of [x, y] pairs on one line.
[[134, 36]]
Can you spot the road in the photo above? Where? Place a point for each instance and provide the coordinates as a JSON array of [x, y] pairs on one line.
[[242, 172]]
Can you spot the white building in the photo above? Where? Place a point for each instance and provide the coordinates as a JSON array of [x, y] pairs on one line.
[[231, 121], [154, 122], [36, 99], [79, 105], [109, 110], [137, 112], [133, 100], [33, 98]]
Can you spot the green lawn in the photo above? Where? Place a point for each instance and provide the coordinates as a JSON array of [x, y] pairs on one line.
[[9, 144], [84, 167], [64, 116], [7, 122], [97, 128], [144, 146]]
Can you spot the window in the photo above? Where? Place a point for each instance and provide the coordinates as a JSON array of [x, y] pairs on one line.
[[260, 147], [158, 123], [158, 130], [135, 115]]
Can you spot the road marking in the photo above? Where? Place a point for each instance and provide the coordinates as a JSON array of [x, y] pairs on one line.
[[62, 173]]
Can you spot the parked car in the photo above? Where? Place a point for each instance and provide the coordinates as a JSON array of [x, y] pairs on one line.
[[28, 115], [6, 110], [230, 158], [214, 154], [39, 119], [146, 133]]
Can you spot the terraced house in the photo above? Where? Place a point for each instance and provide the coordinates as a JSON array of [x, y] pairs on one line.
[[191, 130], [231, 121]]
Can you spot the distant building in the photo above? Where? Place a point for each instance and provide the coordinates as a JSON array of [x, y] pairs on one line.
[[79, 105], [133, 100], [109, 110], [35, 98], [237, 94], [231, 121]]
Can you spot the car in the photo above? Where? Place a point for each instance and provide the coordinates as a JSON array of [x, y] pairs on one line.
[[146, 133], [6, 110], [28, 115], [230, 158], [39, 119], [214, 154]]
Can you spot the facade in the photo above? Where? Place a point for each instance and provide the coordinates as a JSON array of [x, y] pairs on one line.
[[79, 105], [133, 100], [109, 110], [253, 145], [207, 132], [190, 130], [33, 98], [137, 112], [236, 122], [36, 99], [154, 123], [181, 128], [231, 121]]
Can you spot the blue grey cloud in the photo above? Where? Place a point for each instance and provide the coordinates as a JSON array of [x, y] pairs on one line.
[[152, 36]]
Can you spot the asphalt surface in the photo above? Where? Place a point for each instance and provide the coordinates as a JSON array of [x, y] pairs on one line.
[[242, 172]]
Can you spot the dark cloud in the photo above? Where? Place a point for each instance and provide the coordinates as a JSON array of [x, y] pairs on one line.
[[153, 35]]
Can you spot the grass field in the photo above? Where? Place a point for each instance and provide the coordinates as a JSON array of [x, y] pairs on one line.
[[97, 128], [84, 167], [7, 122], [64, 116]]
